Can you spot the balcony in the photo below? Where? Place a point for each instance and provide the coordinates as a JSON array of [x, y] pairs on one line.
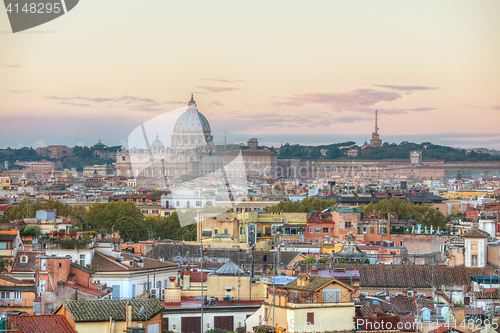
[[294, 297], [15, 303]]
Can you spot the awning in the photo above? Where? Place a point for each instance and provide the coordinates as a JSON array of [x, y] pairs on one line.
[[488, 279]]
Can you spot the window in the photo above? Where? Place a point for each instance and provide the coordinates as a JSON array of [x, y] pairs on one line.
[[383, 230], [364, 230], [5, 295], [158, 284], [225, 231], [310, 318], [372, 230], [331, 230], [474, 260], [317, 230], [3, 245], [359, 230], [133, 291], [43, 265], [82, 260], [216, 231], [311, 230], [331, 295], [42, 286], [325, 230]]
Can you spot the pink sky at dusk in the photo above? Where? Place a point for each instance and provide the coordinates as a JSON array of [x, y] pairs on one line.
[[282, 71]]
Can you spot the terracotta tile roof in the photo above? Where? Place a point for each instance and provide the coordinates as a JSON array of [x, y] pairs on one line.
[[444, 329], [196, 276], [82, 268], [315, 283], [7, 237], [42, 324], [101, 310], [415, 276], [404, 305], [16, 281], [104, 263], [476, 233], [30, 265], [90, 290]]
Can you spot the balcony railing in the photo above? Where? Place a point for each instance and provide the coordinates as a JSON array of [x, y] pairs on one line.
[[308, 298], [214, 301], [15, 303]]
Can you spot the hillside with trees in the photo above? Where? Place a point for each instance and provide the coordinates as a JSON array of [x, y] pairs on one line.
[[387, 151]]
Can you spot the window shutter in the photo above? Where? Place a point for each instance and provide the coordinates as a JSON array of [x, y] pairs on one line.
[[310, 317]]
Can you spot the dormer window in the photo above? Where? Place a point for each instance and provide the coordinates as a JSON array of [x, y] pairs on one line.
[[23, 261]]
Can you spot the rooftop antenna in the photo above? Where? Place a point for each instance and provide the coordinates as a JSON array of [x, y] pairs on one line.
[[226, 134]]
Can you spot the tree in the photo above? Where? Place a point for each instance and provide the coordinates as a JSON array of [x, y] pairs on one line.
[[106, 215], [424, 213], [130, 229], [310, 259], [305, 206], [27, 209], [31, 230]]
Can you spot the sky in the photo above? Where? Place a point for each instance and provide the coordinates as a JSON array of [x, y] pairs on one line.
[[283, 71]]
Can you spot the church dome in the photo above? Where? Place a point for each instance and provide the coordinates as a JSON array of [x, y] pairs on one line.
[[192, 120], [156, 142]]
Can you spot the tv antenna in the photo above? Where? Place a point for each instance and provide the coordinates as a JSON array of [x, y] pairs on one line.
[[226, 134]]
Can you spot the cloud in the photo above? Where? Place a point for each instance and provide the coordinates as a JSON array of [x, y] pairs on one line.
[[215, 103], [240, 122], [407, 89], [19, 91], [215, 89], [40, 143], [404, 111], [491, 107], [353, 119], [7, 65], [358, 100], [221, 80], [75, 104], [132, 103]]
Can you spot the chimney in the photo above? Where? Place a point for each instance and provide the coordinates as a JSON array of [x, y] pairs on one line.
[[161, 259], [303, 280], [128, 315]]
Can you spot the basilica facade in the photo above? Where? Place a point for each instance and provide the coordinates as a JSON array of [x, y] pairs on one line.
[[190, 141]]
